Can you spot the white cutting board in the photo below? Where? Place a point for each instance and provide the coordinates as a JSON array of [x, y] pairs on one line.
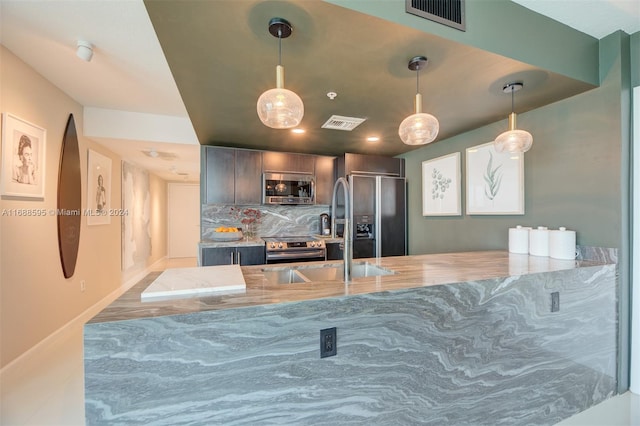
[[177, 283]]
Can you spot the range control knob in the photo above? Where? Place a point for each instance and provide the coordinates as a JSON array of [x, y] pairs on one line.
[[279, 245], [273, 245], [312, 244]]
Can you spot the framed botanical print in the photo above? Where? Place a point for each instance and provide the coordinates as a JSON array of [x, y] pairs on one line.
[[495, 181], [23, 158], [441, 186]]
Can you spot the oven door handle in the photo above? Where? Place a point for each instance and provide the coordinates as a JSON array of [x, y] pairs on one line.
[[296, 254]]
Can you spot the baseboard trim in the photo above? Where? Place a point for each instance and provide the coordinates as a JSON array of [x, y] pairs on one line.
[[82, 318]]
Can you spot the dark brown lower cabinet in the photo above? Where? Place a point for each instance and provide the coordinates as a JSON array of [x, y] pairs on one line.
[[334, 252], [211, 256]]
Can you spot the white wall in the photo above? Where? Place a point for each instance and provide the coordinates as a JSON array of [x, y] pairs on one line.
[[183, 219], [35, 297], [36, 300]]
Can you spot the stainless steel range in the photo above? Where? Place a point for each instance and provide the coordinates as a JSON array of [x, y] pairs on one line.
[[294, 249]]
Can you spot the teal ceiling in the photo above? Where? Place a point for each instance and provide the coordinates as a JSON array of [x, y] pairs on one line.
[[222, 58]]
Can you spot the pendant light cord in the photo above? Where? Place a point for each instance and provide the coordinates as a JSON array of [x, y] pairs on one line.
[[280, 46], [418, 79], [512, 102]]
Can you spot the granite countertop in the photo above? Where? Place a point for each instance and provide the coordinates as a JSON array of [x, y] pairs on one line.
[[328, 239], [244, 242], [411, 272], [255, 241]]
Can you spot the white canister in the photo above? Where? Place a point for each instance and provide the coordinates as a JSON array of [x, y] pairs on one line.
[[562, 244], [519, 240], [539, 241]]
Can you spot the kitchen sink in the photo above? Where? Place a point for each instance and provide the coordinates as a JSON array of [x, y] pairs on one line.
[[284, 275], [336, 272], [330, 272]]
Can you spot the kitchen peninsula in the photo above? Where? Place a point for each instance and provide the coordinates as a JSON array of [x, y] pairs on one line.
[[448, 339]]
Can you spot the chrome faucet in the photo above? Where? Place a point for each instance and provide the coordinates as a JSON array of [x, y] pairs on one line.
[[347, 239]]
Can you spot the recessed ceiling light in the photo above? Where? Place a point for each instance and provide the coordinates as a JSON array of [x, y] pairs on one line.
[[298, 131], [373, 139]]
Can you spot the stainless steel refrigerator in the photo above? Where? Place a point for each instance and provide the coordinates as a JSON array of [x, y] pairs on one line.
[[378, 222]]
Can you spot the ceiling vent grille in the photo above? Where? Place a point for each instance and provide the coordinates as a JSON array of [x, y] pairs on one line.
[[447, 12], [339, 122]]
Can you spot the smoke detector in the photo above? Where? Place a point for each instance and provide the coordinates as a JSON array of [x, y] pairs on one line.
[[340, 122]]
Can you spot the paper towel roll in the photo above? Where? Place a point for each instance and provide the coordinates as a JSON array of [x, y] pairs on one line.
[[539, 241], [562, 244], [519, 240]]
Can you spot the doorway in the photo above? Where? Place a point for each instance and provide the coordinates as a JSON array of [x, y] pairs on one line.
[[183, 220]]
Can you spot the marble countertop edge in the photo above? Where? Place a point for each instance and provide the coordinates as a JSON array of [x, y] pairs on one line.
[[411, 272], [255, 241]]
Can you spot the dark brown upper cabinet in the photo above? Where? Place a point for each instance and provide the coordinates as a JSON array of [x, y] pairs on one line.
[[231, 176], [325, 172], [234, 176], [354, 164], [285, 162], [248, 189]]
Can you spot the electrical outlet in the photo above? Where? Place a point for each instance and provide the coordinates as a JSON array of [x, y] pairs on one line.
[[328, 342], [83, 285], [555, 301]]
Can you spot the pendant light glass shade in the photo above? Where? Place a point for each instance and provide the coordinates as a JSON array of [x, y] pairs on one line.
[[419, 128], [280, 108], [513, 140]]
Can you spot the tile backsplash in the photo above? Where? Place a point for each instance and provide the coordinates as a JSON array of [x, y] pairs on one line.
[[270, 219]]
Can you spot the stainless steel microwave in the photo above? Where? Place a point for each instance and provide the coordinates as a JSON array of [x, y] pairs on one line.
[[288, 188]]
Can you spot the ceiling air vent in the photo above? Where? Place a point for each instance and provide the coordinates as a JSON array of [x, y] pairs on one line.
[[447, 12], [339, 122]]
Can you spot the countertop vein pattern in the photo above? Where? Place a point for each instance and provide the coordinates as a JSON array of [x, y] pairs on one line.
[[411, 272], [479, 352]]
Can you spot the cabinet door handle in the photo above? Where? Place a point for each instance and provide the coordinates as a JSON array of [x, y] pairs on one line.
[[231, 263], [238, 257]]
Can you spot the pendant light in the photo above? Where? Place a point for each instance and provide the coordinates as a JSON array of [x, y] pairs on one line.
[[280, 108], [513, 140], [419, 128]]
